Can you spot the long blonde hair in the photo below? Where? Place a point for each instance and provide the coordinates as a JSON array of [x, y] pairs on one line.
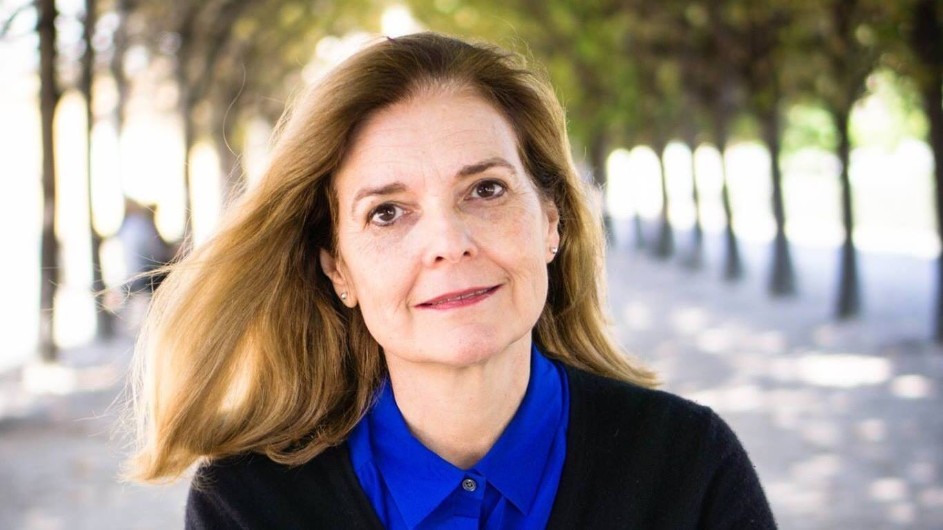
[[246, 348]]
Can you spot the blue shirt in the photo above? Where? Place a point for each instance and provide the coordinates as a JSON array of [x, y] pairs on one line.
[[512, 487]]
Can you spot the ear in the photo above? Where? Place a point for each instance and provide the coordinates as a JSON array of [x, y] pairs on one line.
[[335, 270], [553, 228]]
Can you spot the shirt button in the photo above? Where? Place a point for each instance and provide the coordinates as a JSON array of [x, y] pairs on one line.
[[469, 485]]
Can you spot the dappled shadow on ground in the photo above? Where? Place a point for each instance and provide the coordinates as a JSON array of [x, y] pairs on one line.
[[61, 446], [841, 419]]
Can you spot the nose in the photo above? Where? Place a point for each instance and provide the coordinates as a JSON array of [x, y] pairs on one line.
[[447, 237]]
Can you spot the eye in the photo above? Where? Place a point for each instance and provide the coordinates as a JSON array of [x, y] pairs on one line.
[[385, 214], [488, 189]]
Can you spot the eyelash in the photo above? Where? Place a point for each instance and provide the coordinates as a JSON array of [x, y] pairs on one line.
[[372, 217], [503, 188], [399, 211]]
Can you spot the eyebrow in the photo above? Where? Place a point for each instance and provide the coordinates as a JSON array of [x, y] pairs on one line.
[[465, 171], [484, 165], [387, 189]]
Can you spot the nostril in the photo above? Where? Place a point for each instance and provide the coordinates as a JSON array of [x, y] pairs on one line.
[[446, 238]]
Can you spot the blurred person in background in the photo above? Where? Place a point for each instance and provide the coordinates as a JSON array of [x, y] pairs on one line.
[[145, 253], [143, 247], [401, 326]]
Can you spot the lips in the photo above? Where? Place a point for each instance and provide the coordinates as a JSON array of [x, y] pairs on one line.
[[459, 298]]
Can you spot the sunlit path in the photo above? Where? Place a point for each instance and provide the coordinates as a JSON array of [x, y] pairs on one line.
[[841, 419]]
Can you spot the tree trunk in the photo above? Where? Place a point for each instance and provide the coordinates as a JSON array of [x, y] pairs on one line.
[[638, 229], [104, 319], [733, 264], [695, 259], [228, 147], [185, 104], [597, 160], [664, 247], [932, 96], [927, 43], [117, 65], [722, 104], [849, 298], [782, 279], [48, 100], [229, 167], [598, 150], [189, 137]]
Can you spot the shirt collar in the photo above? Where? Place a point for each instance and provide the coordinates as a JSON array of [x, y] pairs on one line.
[[515, 464], [419, 480]]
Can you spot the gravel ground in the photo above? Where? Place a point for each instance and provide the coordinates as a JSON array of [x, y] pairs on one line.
[[841, 419]]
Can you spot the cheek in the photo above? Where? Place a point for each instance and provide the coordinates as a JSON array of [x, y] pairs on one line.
[[380, 272], [367, 251], [516, 243], [515, 231]]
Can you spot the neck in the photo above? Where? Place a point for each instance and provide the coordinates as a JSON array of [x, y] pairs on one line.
[[459, 413]]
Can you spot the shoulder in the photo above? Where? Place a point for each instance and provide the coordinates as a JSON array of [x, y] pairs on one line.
[[647, 425], [599, 402], [677, 461], [253, 491], [248, 470]]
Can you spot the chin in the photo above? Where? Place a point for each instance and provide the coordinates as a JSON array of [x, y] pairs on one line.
[[475, 350], [456, 347]]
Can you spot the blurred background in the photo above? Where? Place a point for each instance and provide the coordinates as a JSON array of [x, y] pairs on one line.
[[769, 175]]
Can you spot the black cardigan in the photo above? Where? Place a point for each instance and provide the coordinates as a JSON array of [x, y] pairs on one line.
[[635, 458]]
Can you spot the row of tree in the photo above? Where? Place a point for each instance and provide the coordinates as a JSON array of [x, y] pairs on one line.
[[232, 61], [630, 72], [649, 72]]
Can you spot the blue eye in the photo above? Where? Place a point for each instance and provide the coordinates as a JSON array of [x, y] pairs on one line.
[[488, 189], [385, 214]]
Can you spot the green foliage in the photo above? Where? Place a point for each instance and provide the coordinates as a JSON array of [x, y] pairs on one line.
[[581, 44], [808, 125], [238, 60], [628, 72], [889, 112]]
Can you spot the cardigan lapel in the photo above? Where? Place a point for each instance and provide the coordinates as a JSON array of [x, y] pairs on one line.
[[357, 512], [578, 464]]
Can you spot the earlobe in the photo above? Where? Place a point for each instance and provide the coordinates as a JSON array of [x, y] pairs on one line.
[[331, 269], [553, 230]]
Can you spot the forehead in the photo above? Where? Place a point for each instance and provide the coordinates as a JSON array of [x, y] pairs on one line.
[[437, 132]]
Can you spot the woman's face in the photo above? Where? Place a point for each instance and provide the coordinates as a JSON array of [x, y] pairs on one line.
[[443, 239]]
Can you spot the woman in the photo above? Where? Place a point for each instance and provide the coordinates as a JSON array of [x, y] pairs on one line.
[[401, 328]]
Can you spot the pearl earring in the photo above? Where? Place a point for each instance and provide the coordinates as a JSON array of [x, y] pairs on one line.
[[344, 295], [553, 250]]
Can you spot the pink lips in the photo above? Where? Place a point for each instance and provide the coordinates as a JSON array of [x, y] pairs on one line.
[[459, 298]]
